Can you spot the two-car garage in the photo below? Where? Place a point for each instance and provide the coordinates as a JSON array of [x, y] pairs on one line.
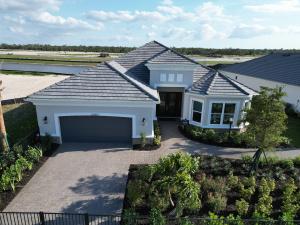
[[96, 129]]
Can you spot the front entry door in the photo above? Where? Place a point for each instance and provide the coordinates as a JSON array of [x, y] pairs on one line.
[[170, 105]]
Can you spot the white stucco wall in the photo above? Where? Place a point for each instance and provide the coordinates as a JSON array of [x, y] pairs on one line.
[[293, 91], [206, 109], [52, 112]]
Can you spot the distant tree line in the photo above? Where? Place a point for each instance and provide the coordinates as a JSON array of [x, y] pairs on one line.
[[213, 52]]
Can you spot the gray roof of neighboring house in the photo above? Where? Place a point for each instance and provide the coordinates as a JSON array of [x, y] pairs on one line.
[[100, 83], [279, 67], [127, 79]]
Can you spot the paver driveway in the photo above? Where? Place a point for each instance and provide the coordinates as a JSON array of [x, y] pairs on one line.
[[87, 177]]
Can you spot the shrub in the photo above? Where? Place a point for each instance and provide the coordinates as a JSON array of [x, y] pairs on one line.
[[247, 159], [232, 181], [136, 192], [157, 200], [33, 154], [215, 185], [287, 163], [174, 182], [247, 187], [145, 173], [9, 178], [290, 204], [185, 221], [264, 206], [296, 161], [46, 142], [216, 202], [143, 139], [156, 217], [157, 140], [130, 217], [242, 207]]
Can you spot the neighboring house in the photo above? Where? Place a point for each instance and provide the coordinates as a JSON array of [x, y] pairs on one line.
[[279, 69], [119, 100]]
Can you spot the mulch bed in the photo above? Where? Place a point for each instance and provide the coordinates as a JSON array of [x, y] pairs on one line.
[[147, 147], [212, 166], [7, 196]]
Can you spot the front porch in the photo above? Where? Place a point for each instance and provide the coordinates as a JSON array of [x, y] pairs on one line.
[[171, 103]]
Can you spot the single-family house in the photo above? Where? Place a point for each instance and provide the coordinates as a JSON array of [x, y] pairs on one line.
[[278, 69], [117, 101]]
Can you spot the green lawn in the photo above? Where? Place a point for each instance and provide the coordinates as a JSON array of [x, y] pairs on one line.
[[20, 121], [293, 131]]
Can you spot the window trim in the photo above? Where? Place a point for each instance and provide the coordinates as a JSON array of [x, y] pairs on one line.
[[192, 110], [221, 124]]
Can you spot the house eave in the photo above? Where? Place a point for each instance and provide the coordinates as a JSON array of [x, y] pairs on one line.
[[77, 102]]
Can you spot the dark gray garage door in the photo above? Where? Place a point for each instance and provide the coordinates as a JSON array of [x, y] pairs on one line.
[[95, 129]]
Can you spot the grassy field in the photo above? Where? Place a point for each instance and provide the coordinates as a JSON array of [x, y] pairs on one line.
[[91, 59], [293, 131], [20, 121], [17, 72]]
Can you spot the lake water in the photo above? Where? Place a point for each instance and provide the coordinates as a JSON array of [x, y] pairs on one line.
[[43, 68]]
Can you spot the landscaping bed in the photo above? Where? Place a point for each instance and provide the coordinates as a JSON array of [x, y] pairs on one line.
[[235, 139], [7, 192], [144, 146], [209, 186]]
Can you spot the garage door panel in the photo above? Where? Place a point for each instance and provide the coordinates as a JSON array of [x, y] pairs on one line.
[[96, 129]]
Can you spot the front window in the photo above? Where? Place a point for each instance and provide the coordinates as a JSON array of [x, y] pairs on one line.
[[197, 111], [221, 113]]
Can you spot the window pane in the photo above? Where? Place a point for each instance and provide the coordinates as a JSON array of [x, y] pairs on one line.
[[179, 78], [215, 119], [171, 77], [226, 119], [197, 117], [217, 107], [229, 108], [163, 77], [197, 106]]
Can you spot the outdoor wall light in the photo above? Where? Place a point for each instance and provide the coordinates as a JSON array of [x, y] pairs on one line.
[[45, 120], [144, 121]]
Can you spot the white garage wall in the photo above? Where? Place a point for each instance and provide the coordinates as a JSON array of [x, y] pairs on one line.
[[53, 112], [293, 91]]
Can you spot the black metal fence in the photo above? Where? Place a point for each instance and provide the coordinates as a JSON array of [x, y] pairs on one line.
[[41, 218]]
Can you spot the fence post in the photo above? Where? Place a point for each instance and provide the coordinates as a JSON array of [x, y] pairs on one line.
[[86, 219], [42, 218]]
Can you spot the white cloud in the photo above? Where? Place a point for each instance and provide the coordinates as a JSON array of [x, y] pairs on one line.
[[208, 32], [167, 2], [178, 32], [151, 35], [245, 31], [209, 11], [47, 18], [124, 16], [29, 5], [16, 29], [276, 7]]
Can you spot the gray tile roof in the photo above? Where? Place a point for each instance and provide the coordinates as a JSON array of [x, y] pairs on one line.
[[100, 83], [280, 67], [127, 79], [171, 57], [215, 83]]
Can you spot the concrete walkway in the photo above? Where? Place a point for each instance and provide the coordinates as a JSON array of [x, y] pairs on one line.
[[89, 177]]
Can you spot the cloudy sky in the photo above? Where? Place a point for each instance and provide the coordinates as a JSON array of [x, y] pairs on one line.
[[196, 23]]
